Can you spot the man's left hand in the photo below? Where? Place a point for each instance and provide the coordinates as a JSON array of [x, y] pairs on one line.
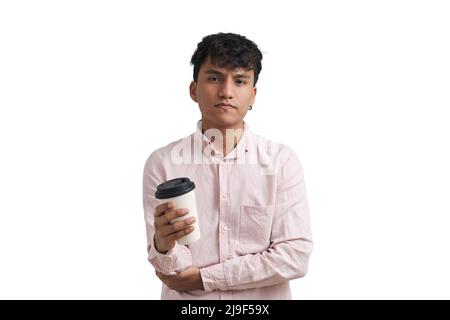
[[187, 280]]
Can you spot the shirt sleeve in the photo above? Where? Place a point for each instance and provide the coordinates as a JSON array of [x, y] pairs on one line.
[[179, 257], [291, 240]]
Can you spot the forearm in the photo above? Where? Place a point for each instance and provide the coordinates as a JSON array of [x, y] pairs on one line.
[[280, 263]]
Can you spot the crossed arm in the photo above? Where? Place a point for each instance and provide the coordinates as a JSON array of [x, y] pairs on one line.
[[285, 259]]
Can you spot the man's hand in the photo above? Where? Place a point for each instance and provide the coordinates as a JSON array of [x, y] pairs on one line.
[[166, 232], [188, 280]]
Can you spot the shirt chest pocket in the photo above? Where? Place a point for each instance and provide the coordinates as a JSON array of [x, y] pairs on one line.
[[255, 228]]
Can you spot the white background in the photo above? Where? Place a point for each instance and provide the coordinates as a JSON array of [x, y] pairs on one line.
[[359, 89]]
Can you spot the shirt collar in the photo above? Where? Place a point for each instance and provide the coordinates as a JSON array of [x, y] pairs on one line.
[[208, 149]]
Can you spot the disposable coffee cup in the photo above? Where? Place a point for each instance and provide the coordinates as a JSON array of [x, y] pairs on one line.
[[181, 191]]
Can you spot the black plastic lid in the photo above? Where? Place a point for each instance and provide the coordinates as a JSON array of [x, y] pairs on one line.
[[174, 188]]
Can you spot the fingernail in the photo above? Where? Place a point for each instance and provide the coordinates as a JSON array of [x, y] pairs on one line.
[[191, 219]]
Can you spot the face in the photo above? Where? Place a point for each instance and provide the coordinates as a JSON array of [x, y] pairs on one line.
[[217, 86]]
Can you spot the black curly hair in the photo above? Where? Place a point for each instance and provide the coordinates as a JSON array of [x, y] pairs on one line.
[[229, 50]]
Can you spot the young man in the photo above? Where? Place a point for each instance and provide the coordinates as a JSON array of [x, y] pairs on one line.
[[251, 197]]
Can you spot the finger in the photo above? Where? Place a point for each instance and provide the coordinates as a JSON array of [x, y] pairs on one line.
[[173, 214], [167, 218], [160, 209], [180, 234], [164, 279], [170, 215], [160, 276], [166, 231]]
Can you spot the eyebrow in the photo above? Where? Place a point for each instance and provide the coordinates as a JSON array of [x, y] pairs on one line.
[[214, 71]]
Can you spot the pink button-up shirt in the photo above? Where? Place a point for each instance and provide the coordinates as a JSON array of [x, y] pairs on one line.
[[252, 212]]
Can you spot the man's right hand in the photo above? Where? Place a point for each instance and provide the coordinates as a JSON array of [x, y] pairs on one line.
[[167, 233]]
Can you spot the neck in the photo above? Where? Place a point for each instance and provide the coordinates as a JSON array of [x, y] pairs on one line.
[[230, 134]]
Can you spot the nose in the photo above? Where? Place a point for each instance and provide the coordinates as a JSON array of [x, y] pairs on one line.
[[226, 89]]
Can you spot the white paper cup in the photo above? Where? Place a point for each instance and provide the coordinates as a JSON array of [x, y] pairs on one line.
[[181, 191]]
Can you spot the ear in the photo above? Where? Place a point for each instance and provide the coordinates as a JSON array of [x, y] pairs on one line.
[[193, 91], [254, 95]]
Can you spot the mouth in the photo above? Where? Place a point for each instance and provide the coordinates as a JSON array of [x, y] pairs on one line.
[[224, 106]]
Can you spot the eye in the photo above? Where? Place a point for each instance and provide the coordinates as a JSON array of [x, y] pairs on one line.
[[212, 78], [242, 82]]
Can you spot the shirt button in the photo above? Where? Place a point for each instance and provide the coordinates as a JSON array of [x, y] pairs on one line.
[[224, 196]]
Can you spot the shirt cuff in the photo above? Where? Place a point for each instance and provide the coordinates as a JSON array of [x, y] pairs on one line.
[[173, 261], [213, 278]]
